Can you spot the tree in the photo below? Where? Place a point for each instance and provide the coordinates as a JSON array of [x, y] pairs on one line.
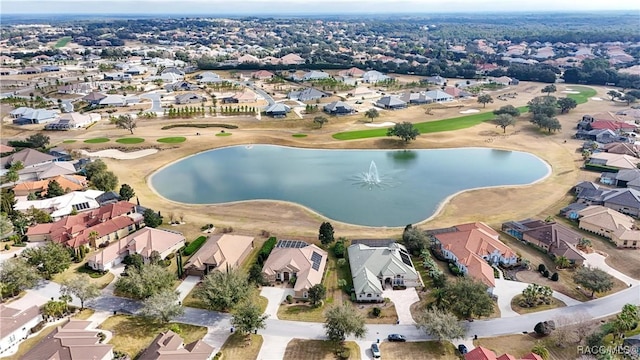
[[414, 239], [105, 181], [566, 104], [221, 290], [151, 218], [549, 89], [626, 320], [6, 226], [535, 294], [613, 94], [163, 306], [342, 321], [54, 308], [50, 259], [11, 176], [38, 140], [562, 262], [37, 216], [126, 122], [485, 99], [144, 282], [405, 131], [54, 189], [629, 99], [371, 114], [584, 244], [504, 120], [326, 234], [95, 167], [541, 350], [507, 109], [247, 317], [133, 260], [81, 287], [317, 293], [440, 324], [126, 192], [320, 120], [593, 279], [16, 275], [467, 297]]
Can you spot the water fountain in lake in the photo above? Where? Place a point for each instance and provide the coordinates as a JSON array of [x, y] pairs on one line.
[[371, 177]]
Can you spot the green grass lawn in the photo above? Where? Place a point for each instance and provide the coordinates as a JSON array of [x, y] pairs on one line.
[[62, 42], [69, 141], [172, 140], [130, 140], [299, 135], [223, 134], [585, 94], [97, 140]]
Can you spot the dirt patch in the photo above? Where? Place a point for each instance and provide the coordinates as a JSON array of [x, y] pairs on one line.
[[317, 350]]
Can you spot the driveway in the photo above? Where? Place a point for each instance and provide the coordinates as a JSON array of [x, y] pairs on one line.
[[155, 101], [506, 290], [117, 271], [403, 299], [16, 251], [186, 286], [598, 261], [275, 296], [273, 347], [39, 295]]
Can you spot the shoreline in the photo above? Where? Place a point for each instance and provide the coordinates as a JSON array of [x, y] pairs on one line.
[[437, 211]]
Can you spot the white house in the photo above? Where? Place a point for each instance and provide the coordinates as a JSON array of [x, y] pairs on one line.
[[64, 205], [16, 325]]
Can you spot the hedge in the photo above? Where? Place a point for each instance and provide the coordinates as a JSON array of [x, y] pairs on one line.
[[200, 126], [194, 246], [601, 168], [266, 250]]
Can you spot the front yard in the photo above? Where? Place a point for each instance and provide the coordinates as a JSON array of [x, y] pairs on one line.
[[237, 347], [79, 268], [555, 303], [132, 334], [298, 349], [427, 350]]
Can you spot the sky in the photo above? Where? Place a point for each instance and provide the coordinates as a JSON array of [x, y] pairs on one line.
[[284, 7]]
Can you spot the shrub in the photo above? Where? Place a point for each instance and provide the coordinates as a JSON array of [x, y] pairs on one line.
[[338, 249], [555, 276], [344, 353], [376, 312], [289, 299], [7, 246], [266, 250], [546, 273], [175, 328], [194, 246], [102, 336], [542, 268], [170, 256], [38, 327]]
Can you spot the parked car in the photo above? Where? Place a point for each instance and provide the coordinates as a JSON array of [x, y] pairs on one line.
[[396, 337], [462, 348], [375, 350]]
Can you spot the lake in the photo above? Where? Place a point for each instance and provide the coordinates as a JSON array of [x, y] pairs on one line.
[[363, 187]]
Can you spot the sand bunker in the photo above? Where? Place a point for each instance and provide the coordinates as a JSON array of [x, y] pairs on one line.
[[386, 123], [120, 155], [571, 92], [470, 111], [596, 99]]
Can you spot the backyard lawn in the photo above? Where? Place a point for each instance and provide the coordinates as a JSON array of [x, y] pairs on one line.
[[298, 349], [427, 350], [237, 347], [132, 334]]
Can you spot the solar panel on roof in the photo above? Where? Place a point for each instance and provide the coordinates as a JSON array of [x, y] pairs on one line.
[[293, 244], [316, 259], [405, 258]]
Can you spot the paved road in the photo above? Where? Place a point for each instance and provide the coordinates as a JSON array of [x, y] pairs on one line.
[[156, 105]]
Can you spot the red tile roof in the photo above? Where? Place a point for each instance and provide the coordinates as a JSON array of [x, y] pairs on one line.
[[480, 353]]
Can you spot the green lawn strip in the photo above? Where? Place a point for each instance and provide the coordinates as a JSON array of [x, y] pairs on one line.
[[194, 245], [130, 140], [172, 140], [69, 141], [583, 96], [97, 140], [223, 134], [62, 42], [299, 135]]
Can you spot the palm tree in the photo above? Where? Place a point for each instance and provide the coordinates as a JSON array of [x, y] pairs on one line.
[[562, 262], [93, 237], [584, 244], [371, 114], [541, 350]]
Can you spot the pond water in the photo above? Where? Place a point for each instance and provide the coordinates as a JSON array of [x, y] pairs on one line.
[[364, 187]]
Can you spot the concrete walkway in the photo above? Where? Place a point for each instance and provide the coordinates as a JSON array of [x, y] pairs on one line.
[[117, 271], [403, 299], [598, 261], [273, 347], [275, 297], [185, 287], [98, 317]]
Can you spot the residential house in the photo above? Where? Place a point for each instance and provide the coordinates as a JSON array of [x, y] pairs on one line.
[[277, 110], [219, 252], [63, 205], [308, 94], [181, 86], [482, 353], [170, 346], [361, 92], [624, 178], [189, 98], [622, 148], [338, 108], [554, 238], [166, 77], [45, 171], [610, 224], [602, 136], [456, 92], [245, 96], [504, 80], [94, 98], [28, 157], [110, 222], [439, 96], [296, 260], [67, 182], [30, 70], [77, 88], [75, 340], [5, 149], [144, 242], [585, 185], [291, 59], [136, 70], [118, 100], [410, 97], [374, 268], [209, 77], [118, 76], [572, 210], [472, 248], [373, 77], [73, 120], [625, 200], [248, 58], [262, 75], [618, 161], [436, 80], [352, 72], [110, 197], [16, 325], [314, 75], [174, 70], [391, 103], [24, 115]]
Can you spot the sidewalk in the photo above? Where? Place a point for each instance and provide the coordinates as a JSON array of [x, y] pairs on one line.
[[186, 286], [117, 271]]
